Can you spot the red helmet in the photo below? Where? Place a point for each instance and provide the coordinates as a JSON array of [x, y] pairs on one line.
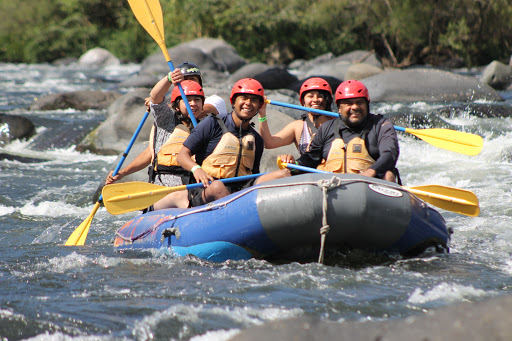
[[190, 88], [351, 89], [247, 86], [315, 83]]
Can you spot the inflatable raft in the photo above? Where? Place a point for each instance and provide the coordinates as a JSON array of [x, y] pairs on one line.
[[280, 219]]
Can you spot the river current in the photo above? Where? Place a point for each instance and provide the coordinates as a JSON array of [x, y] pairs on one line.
[[52, 292]]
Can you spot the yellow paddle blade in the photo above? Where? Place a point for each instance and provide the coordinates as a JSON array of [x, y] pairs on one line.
[[80, 233], [448, 198], [149, 14], [457, 141], [132, 196]]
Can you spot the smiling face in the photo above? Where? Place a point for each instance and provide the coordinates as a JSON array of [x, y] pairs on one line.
[[196, 104], [246, 106], [353, 111], [315, 99]]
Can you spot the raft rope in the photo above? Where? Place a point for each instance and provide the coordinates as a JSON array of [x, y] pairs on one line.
[[325, 185]]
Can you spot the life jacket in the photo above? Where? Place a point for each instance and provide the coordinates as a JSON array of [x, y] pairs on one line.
[[351, 157], [165, 161], [232, 156]]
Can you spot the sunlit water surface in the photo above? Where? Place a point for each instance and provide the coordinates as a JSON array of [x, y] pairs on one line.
[[94, 292]]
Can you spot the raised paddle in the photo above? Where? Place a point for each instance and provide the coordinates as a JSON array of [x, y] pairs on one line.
[[149, 14], [132, 196], [448, 198], [80, 233], [456, 141]]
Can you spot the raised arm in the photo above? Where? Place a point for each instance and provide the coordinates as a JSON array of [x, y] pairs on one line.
[[160, 89], [286, 136]]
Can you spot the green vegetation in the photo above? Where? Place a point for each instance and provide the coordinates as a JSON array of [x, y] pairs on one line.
[[402, 32]]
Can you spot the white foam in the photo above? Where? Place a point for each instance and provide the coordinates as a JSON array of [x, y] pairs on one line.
[[47, 336], [53, 209], [6, 210], [190, 314], [446, 292], [217, 335]]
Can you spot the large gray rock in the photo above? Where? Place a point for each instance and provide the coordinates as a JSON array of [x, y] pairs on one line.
[[224, 53], [488, 320], [98, 57], [124, 116], [430, 85], [361, 70], [332, 68], [271, 77], [276, 122], [497, 75], [361, 56], [140, 81], [248, 71], [13, 127], [79, 100], [157, 65], [328, 65]]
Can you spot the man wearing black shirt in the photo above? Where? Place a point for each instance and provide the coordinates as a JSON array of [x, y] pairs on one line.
[[359, 142]]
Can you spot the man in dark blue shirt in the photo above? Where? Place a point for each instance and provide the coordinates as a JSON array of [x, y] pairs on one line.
[[227, 147]]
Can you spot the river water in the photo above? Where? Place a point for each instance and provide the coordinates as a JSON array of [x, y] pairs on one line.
[[53, 292]]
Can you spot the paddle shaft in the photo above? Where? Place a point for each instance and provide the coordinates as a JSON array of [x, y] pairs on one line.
[[167, 190], [460, 142], [317, 111], [131, 196], [79, 235]]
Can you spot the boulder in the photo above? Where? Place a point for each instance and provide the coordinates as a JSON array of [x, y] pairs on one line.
[[430, 85], [337, 67], [14, 127], [123, 118], [98, 57], [271, 77], [276, 122], [140, 81], [360, 56], [79, 100], [487, 320], [248, 71], [61, 133], [275, 78], [156, 64], [224, 53], [497, 75], [331, 68], [360, 71], [302, 65]]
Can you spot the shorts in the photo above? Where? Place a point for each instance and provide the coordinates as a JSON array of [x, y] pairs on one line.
[[195, 195]]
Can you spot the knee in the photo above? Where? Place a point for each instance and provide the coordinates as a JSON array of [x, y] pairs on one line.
[[283, 173], [215, 190], [389, 176]]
